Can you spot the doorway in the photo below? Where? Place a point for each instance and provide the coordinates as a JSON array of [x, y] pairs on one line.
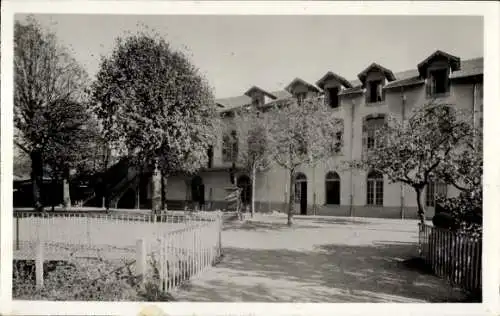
[[198, 191]]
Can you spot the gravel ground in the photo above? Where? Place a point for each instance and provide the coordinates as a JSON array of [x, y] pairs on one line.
[[319, 259]]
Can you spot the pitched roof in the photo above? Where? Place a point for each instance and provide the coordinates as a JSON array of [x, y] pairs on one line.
[[240, 101], [342, 80], [255, 88], [298, 80], [387, 72], [453, 60], [470, 67]]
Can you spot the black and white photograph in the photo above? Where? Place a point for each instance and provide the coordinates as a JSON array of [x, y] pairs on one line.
[[247, 158]]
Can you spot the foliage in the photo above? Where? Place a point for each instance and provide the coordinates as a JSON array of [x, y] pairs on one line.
[[88, 280], [253, 131], [154, 104], [464, 170], [254, 150], [302, 134], [49, 107], [414, 151]]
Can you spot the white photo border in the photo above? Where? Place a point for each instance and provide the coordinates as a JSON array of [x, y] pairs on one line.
[[488, 10]]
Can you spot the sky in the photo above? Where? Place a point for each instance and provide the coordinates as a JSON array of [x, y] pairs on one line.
[[237, 52]]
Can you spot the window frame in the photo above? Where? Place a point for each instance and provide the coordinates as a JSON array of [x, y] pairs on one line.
[[374, 189], [336, 97], [430, 195], [431, 84]]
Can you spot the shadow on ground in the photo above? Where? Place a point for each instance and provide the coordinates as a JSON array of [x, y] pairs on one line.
[[256, 225], [333, 273]]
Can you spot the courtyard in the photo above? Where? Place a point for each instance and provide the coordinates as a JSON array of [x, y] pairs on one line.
[[319, 259]]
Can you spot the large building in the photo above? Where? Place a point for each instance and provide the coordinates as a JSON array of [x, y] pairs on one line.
[[362, 104]]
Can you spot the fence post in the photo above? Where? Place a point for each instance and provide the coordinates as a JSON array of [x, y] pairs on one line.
[[141, 259], [39, 264], [219, 251]]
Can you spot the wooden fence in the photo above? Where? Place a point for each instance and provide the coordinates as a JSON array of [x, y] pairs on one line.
[[454, 256], [180, 245]]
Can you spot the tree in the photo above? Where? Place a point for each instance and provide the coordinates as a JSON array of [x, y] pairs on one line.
[[46, 79], [414, 151], [73, 143], [301, 134], [154, 104], [254, 151], [464, 170]]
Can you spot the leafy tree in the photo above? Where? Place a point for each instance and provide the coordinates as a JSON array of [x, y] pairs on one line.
[[254, 150], [155, 106], [464, 170], [301, 134], [414, 151], [46, 80]]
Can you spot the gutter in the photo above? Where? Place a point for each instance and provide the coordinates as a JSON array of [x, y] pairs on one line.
[[351, 208]]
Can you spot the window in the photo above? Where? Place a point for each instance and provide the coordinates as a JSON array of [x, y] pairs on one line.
[[332, 97], [257, 101], [230, 147], [338, 142], [332, 188], [375, 189], [300, 187], [438, 82], [375, 91], [301, 96], [370, 127], [434, 190]]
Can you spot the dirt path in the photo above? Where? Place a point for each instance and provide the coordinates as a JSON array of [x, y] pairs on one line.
[[318, 260]]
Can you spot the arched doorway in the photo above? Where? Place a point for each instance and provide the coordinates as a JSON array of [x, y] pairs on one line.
[[245, 185], [198, 191], [301, 192], [332, 188]]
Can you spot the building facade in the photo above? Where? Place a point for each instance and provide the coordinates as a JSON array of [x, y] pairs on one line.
[[362, 104]]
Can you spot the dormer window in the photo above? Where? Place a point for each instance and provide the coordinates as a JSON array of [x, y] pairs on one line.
[[375, 91], [436, 70], [438, 82], [373, 79], [332, 97], [258, 101], [301, 96]]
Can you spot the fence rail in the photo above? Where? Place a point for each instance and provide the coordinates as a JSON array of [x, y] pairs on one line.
[[180, 244], [455, 256]]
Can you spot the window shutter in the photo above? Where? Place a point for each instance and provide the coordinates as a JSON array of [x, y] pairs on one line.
[[364, 141]]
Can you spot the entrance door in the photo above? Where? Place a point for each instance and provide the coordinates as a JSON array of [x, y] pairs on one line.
[[244, 184], [301, 193]]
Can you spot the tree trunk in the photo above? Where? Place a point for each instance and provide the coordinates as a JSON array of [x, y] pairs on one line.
[[420, 206], [254, 174], [156, 189], [37, 179], [66, 192], [291, 199]]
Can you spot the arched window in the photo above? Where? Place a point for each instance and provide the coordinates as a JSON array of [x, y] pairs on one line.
[[300, 181], [332, 188], [375, 188], [371, 125]]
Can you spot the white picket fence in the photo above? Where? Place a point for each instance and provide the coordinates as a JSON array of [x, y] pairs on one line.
[[182, 245]]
